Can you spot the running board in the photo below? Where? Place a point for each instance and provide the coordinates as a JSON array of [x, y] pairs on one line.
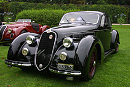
[[109, 52]]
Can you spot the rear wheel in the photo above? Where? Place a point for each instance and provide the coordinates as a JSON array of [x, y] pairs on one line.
[[116, 47], [90, 67]]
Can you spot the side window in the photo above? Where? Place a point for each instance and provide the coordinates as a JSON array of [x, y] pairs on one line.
[[105, 21], [102, 21], [109, 22]]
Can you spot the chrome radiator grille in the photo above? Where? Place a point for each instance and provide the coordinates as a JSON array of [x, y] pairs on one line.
[[45, 49], [47, 42]]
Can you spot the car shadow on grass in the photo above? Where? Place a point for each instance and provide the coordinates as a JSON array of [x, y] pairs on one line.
[[47, 75]]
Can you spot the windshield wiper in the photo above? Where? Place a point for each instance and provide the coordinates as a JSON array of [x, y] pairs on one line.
[[67, 21], [83, 20]]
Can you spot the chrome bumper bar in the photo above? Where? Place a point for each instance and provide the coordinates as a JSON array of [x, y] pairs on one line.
[[16, 63], [73, 73]]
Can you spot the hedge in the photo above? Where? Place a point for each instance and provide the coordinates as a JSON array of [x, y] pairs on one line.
[[44, 17], [114, 11]]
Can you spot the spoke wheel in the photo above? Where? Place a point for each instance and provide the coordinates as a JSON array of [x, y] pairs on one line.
[[117, 47], [92, 65]]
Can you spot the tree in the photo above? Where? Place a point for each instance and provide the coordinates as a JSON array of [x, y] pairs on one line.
[[101, 2]]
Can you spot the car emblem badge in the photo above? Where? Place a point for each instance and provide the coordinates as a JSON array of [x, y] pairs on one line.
[[40, 65], [51, 36]]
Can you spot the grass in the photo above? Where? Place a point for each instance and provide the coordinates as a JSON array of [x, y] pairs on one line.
[[114, 72]]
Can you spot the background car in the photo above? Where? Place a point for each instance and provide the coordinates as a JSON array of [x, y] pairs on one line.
[[10, 31], [73, 48]]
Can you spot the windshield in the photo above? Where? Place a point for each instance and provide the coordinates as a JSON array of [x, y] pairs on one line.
[[24, 20], [84, 17]]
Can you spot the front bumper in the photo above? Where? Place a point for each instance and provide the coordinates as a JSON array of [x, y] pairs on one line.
[[18, 63], [65, 72]]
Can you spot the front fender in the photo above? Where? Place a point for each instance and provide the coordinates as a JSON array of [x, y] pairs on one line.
[[84, 48], [79, 52], [17, 44], [17, 31]]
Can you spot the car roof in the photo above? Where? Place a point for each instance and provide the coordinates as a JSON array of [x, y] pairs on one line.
[[98, 12]]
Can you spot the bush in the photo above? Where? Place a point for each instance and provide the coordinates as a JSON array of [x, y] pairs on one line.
[[7, 19], [111, 10], [44, 17], [121, 20]]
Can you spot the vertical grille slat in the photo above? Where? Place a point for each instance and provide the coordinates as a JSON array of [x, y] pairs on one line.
[[1, 31]]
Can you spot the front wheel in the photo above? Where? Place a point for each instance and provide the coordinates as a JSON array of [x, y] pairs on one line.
[[90, 67]]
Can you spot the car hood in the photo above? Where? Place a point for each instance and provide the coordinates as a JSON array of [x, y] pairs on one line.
[[71, 29], [16, 25]]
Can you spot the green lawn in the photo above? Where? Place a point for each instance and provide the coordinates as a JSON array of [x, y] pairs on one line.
[[114, 72]]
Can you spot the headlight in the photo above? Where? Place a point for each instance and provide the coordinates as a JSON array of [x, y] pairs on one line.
[[30, 39], [67, 42], [63, 56], [25, 51], [9, 30]]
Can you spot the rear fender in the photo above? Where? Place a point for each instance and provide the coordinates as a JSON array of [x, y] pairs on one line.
[[84, 48], [115, 36]]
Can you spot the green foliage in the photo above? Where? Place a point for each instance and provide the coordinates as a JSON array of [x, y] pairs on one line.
[[111, 10], [44, 17], [3, 8], [121, 20], [103, 2], [7, 19]]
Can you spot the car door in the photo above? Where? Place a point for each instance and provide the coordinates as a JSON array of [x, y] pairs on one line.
[[104, 33]]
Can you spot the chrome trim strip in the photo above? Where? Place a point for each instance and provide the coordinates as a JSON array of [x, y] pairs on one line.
[[51, 53], [66, 73], [18, 64]]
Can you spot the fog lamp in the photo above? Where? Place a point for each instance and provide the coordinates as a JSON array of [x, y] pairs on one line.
[[25, 51], [63, 56]]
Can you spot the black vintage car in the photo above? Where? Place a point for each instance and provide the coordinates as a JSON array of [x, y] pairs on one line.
[[73, 48]]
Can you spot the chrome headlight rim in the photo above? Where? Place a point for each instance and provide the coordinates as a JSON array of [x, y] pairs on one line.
[[9, 30], [67, 42], [30, 39], [25, 51]]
